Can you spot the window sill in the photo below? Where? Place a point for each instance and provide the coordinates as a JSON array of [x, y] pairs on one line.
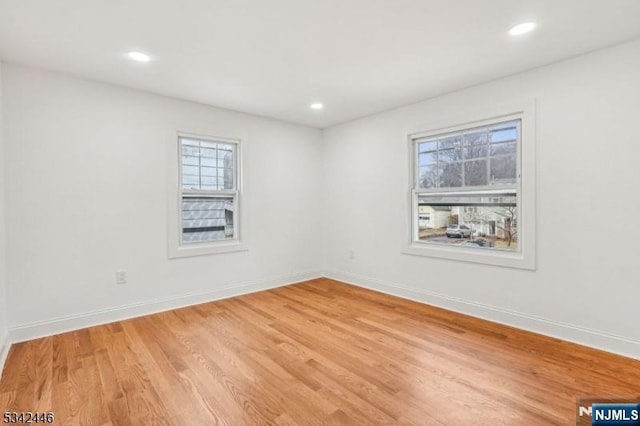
[[517, 260], [207, 249]]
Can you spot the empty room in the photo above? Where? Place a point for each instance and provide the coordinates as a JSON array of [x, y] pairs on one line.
[[294, 212]]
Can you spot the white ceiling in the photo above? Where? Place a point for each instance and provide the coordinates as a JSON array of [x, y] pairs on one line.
[[274, 57]]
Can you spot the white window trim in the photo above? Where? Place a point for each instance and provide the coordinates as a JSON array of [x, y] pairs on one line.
[[174, 211], [525, 257]]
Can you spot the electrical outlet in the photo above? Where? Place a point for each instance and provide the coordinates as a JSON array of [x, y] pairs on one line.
[[121, 276]]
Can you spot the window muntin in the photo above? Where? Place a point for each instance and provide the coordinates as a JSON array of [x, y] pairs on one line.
[[468, 177], [207, 165], [484, 156], [208, 190]]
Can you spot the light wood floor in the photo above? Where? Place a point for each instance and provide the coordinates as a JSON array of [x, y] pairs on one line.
[[320, 352]]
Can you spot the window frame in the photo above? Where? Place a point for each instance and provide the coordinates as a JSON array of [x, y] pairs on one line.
[[177, 247], [524, 257]]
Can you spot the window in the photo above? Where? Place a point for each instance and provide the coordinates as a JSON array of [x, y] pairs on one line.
[[469, 180], [208, 187], [208, 197]]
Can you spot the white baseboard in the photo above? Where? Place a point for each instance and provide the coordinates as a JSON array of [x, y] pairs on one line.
[[59, 325], [5, 345], [581, 335]]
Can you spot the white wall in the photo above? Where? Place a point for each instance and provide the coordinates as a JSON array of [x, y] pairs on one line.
[[587, 284], [86, 194], [4, 342]]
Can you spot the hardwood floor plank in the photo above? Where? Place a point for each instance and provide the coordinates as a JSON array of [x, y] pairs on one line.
[[156, 372], [319, 352], [44, 373]]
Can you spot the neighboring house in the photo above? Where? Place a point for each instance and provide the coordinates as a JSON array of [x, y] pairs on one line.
[[206, 219], [431, 217], [485, 220]]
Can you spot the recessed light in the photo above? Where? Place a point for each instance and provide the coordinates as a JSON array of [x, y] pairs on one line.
[[316, 106], [523, 28], [139, 56]]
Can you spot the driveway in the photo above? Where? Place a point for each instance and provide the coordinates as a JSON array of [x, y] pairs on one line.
[[445, 240]]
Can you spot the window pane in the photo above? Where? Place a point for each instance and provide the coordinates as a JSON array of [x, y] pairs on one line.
[[225, 147], [503, 169], [450, 142], [207, 219], [475, 145], [208, 161], [190, 182], [227, 182], [208, 171], [481, 220], [477, 151], [208, 152], [188, 148], [508, 133], [208, 144], [190, 170], [451, 175], [225, 153], [450, 161], [428, 146], [475, 173], [428, 158], [428, 177], [503, 149], [209, 181], [190, 160]]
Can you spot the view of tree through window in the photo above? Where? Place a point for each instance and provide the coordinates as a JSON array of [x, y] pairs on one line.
[[466, 187], [480, 157]]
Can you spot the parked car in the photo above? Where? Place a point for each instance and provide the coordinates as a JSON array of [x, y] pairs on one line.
[[459, 231]]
